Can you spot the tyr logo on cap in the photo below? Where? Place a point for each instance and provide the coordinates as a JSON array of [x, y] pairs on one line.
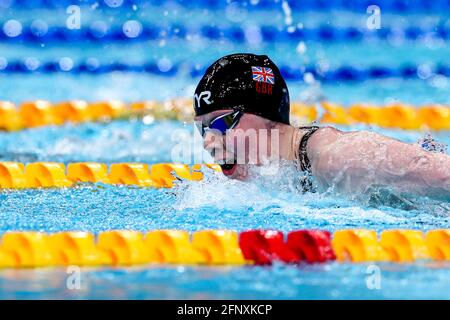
[[205, 96]]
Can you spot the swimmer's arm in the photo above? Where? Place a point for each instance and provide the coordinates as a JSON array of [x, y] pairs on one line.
[[414, 169], [357, 160]]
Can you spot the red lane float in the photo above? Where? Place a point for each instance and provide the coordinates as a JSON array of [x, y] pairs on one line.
[[311, 245], [266, 246]]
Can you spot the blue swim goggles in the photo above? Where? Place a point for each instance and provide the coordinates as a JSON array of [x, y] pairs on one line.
[[223, 122]]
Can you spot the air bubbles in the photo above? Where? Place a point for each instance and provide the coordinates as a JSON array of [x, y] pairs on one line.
[[98, 29], [164, 65], [12, 28], [181, 269], [113, 3], [301, 48], [3, 63], [424, 71], [428, 143], [287, 12], [439, 81], [396, 36], [148, 119], [92, 64], [253, 35], [322, 66], [31, 63], [39, 28], [132, 28], [291, 29], [235, 12], [308, 77], [66, 64]]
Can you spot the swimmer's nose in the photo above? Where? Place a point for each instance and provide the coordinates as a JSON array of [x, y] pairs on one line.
[[212, 140], [214, 144]]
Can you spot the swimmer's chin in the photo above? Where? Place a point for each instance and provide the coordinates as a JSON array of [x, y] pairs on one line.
[[235, 171]]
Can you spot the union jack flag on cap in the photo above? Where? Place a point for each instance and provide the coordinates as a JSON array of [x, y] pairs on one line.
[[263, 74]]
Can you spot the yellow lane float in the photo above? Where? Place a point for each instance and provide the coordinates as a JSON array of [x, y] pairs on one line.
[[105, 110], [396, 115], [404, 245], [73, 111], [123, 247], [77, 248], [358, 246], [218, 246], [88, 172], [12, 175], [10, 119], [164, 174], [172, 247], [37, 113], [207, 247], [436, 117], [15, 175], [46, 174], [335, 113], [399, 116], [438, 242], [365, 113], [29, 249], [131, 174]]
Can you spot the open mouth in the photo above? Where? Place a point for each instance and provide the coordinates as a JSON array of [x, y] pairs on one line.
[[228, 169]]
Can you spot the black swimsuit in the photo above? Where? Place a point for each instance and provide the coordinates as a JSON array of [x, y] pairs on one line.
[[303, 159]]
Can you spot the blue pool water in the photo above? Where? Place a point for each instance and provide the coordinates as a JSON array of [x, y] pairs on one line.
[[195, 206], [215, 203]]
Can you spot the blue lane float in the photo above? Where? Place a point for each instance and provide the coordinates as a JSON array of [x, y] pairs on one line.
[[304, 5], [100, 32], [94, 66]]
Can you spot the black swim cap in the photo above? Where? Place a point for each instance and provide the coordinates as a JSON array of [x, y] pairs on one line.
[[245, 82]]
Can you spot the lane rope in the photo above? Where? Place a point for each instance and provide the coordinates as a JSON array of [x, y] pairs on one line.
[[344, 73], [24, 249], [101, 32], [399, 6], [396, 115], [16, 175]]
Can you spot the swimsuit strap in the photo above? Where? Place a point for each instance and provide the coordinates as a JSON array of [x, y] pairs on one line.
[[305, 165]]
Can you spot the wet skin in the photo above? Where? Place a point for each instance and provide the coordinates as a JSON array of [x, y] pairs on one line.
[[239, 159], [354, 161]]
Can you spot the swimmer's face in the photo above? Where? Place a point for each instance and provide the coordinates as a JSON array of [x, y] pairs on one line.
[[238, 148]]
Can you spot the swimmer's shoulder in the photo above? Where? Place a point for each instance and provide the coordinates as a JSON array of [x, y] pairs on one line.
[[324, 136]]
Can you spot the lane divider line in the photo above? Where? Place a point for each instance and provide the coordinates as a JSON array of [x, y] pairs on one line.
[[27, 249], [392, 6], [102, 33], [15, 175], [342, 73], [396, 115]]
